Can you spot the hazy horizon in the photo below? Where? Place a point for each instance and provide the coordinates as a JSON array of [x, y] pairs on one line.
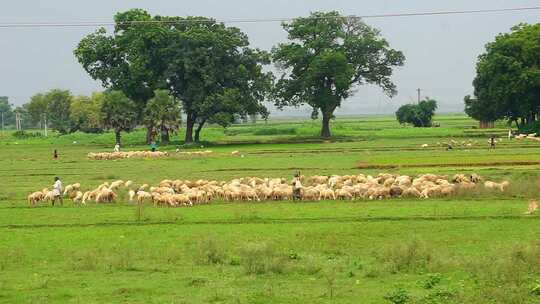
[[441, 51]]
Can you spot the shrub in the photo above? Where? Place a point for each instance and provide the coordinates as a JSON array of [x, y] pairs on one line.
[[398, 296], [275, 131], [25, 135], [261, 258], [530, 128], [414, 256], [210, 252], [432, 280]]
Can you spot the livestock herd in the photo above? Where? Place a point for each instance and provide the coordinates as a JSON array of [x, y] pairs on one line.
[[142, 154], [175, 193]]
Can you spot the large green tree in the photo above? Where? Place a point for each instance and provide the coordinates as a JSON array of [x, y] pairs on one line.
[[507, 83], [6, 109], [215, 74], [419, 115], [37, 108], [119, 113], [86, 114], [327, 57], [163, 114], [130, 60], [58, 110]]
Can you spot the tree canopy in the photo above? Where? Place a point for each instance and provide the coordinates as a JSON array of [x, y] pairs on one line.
[[200, 61], [327, 57], [419, 115], [119, 113], [163, 114], [215, 74], [6, 109], [507, 83], [86, 115]]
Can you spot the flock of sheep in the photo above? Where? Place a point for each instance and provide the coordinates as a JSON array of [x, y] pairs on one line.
[[175, 193], [142, 154], [470, 143], [128, 154]]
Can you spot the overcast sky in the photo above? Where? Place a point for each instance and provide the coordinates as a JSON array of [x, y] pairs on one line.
[[441, 51]]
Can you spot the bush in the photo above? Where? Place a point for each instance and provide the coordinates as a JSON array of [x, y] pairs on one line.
[[25, 135], [275, 131], [398, 296], [419, 115], [261, 258], [210, 252], [414, 256], [530, 128]]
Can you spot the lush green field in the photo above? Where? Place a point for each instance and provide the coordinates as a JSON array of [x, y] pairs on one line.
[[477, 247]]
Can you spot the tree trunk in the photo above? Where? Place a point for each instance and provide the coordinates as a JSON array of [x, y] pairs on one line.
[[198, 131], [325, 131], [165, 139], [149, 134], [118, 136], [190, 122]]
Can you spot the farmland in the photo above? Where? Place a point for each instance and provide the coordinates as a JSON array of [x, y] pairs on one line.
[[476, 247]]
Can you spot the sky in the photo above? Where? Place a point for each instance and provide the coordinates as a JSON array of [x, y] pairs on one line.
[[440, 51]]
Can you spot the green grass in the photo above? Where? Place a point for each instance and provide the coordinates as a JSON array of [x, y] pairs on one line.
[[477, 247]]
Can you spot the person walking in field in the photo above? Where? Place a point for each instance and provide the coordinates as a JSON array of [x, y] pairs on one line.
[[492, 142], [510, 135], [153, 146], [297, 187], [117, 147], [55, 154], [57, 191]]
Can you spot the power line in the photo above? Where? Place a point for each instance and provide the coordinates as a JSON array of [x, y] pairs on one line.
[[257, 20]]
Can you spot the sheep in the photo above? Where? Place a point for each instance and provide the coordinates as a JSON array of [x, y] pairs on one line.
[[105, 196], [235, 153], [496, 186], [532, 208], [128, 184], [78, 198], [35, 198], [142, 196], [411, 192], [131, 194]]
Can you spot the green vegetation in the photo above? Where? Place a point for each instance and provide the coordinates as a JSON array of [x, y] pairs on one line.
[[418, 115], [507, 79], [476, 247], [327, 57]]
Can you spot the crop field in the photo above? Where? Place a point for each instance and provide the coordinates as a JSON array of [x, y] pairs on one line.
[[475, 247]]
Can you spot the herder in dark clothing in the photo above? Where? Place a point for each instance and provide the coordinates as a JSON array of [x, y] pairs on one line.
[[492, 142]]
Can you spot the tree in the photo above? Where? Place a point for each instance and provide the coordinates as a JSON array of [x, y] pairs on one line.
[[164, 113], [131, 59], [419, 115], [327, 57], [215, 74], [6, 109], [507, 83], [119, 113], [58, 110], [481, 110], [37, 108], [86, 114]]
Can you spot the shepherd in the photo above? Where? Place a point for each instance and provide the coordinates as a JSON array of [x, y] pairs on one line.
[[57, 191], [297, 187]]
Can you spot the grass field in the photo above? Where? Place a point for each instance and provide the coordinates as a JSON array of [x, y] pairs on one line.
[[477, 247]]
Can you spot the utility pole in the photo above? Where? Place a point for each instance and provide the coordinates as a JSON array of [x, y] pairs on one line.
[[18, 121], [419, 90], [2, 123], [45, 123]]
